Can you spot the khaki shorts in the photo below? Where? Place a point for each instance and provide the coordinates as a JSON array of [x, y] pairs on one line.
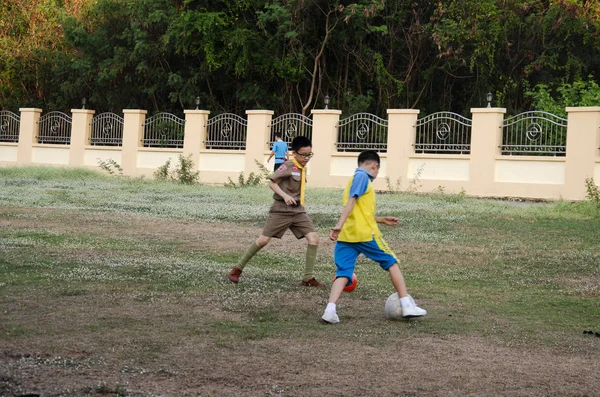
[[281, 218]]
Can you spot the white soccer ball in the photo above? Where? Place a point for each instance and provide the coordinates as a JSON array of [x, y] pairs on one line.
[[393, 308]]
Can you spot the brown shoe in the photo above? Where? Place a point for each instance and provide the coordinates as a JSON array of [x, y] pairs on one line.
[[312, 283], [234, 276]]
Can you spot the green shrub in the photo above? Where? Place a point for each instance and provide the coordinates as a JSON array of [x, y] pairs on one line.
[[183, 172], [110, 166]]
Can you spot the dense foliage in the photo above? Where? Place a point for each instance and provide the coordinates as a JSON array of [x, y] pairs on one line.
[[286, 55]]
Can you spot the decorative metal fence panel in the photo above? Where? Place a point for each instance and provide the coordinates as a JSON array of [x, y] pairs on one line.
[[534, 133], [226, 131], [164, 130], [55, 127], [291, 125], [9, 126], [107, 130], [362, 131], [443, 132]]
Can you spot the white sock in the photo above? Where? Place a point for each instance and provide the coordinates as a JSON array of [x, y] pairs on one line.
[[405, 301], [330, 307]]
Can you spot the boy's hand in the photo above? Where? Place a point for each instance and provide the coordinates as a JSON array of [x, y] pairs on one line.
[[334, 233], [289, 200], [389, 220]]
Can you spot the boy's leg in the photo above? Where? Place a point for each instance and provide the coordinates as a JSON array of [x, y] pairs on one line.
[[309, 279], [234, 275], [337, 288], [345, 255], [409, 307]]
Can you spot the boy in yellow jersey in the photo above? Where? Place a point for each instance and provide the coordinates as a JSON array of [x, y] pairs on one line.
[[357, 233], [287, 212]]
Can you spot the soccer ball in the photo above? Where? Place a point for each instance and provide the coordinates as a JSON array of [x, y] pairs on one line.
[[350, 288], [393, 308]]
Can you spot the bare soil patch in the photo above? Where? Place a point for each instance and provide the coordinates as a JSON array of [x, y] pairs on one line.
[[122, 343]]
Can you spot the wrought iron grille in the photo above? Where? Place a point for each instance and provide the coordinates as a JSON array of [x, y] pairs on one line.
[[107, 130], [534, 133], [226, 131], [55, 127], [362, 131], [9, 126], [443, 132], [291, 125], [164, 130]]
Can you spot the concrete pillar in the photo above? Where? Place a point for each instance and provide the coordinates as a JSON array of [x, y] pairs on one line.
[[324, 138], [486, 139], [256, 139], [400, 143], [133, 135], [583, 140], [194, 134], [28, 131], [81, 132]]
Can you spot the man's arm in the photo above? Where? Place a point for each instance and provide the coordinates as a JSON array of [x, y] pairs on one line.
[[335, 231], [270, 156]]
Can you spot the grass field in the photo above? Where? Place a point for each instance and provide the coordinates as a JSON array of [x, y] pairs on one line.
[[116, 286]]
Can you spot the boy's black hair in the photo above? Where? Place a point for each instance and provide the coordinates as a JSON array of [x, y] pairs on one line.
[[278, 134], [299, 142], [368, 155]]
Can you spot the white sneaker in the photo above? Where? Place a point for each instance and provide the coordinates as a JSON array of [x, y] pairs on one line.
[[330, 317], [410, 308]]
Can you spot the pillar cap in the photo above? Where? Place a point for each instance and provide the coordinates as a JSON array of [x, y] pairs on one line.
[[194, 111], [85, 111], [489, 110], [30, 110], [325, 111], [134, 111], [583, 109], [264, 111], [403, 111]]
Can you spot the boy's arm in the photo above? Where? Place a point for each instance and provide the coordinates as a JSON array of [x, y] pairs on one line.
[[388, 220], [335, 231], [270, 156], [289, 200]]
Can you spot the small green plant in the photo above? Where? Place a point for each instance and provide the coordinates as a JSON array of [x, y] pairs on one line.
[[440, 191], [183, 172], [110, 166], [394, 188], [415, 184], [162, 173], [592, 190], [265, 173], [253, 178]]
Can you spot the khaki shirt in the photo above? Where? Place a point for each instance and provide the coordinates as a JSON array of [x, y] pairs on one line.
[[288, 177]]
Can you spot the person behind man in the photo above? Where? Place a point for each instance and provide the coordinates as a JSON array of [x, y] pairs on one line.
[[287, 212], [356, 232], [280, 151]]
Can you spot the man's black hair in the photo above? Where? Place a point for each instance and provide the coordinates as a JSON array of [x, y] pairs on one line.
[[278, 134], [299, 142], [368, 155]]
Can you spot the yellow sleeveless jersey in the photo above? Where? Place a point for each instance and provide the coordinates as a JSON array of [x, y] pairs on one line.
[[360, 225]]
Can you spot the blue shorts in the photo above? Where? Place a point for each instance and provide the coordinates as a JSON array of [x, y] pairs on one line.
[[345, 255]]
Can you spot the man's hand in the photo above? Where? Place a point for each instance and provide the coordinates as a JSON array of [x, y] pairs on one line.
[[334, 233]]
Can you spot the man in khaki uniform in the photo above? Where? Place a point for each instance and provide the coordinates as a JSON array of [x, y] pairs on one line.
[[288, 212]]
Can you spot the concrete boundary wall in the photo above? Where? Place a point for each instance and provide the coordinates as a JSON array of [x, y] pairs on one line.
[[483, 173]]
